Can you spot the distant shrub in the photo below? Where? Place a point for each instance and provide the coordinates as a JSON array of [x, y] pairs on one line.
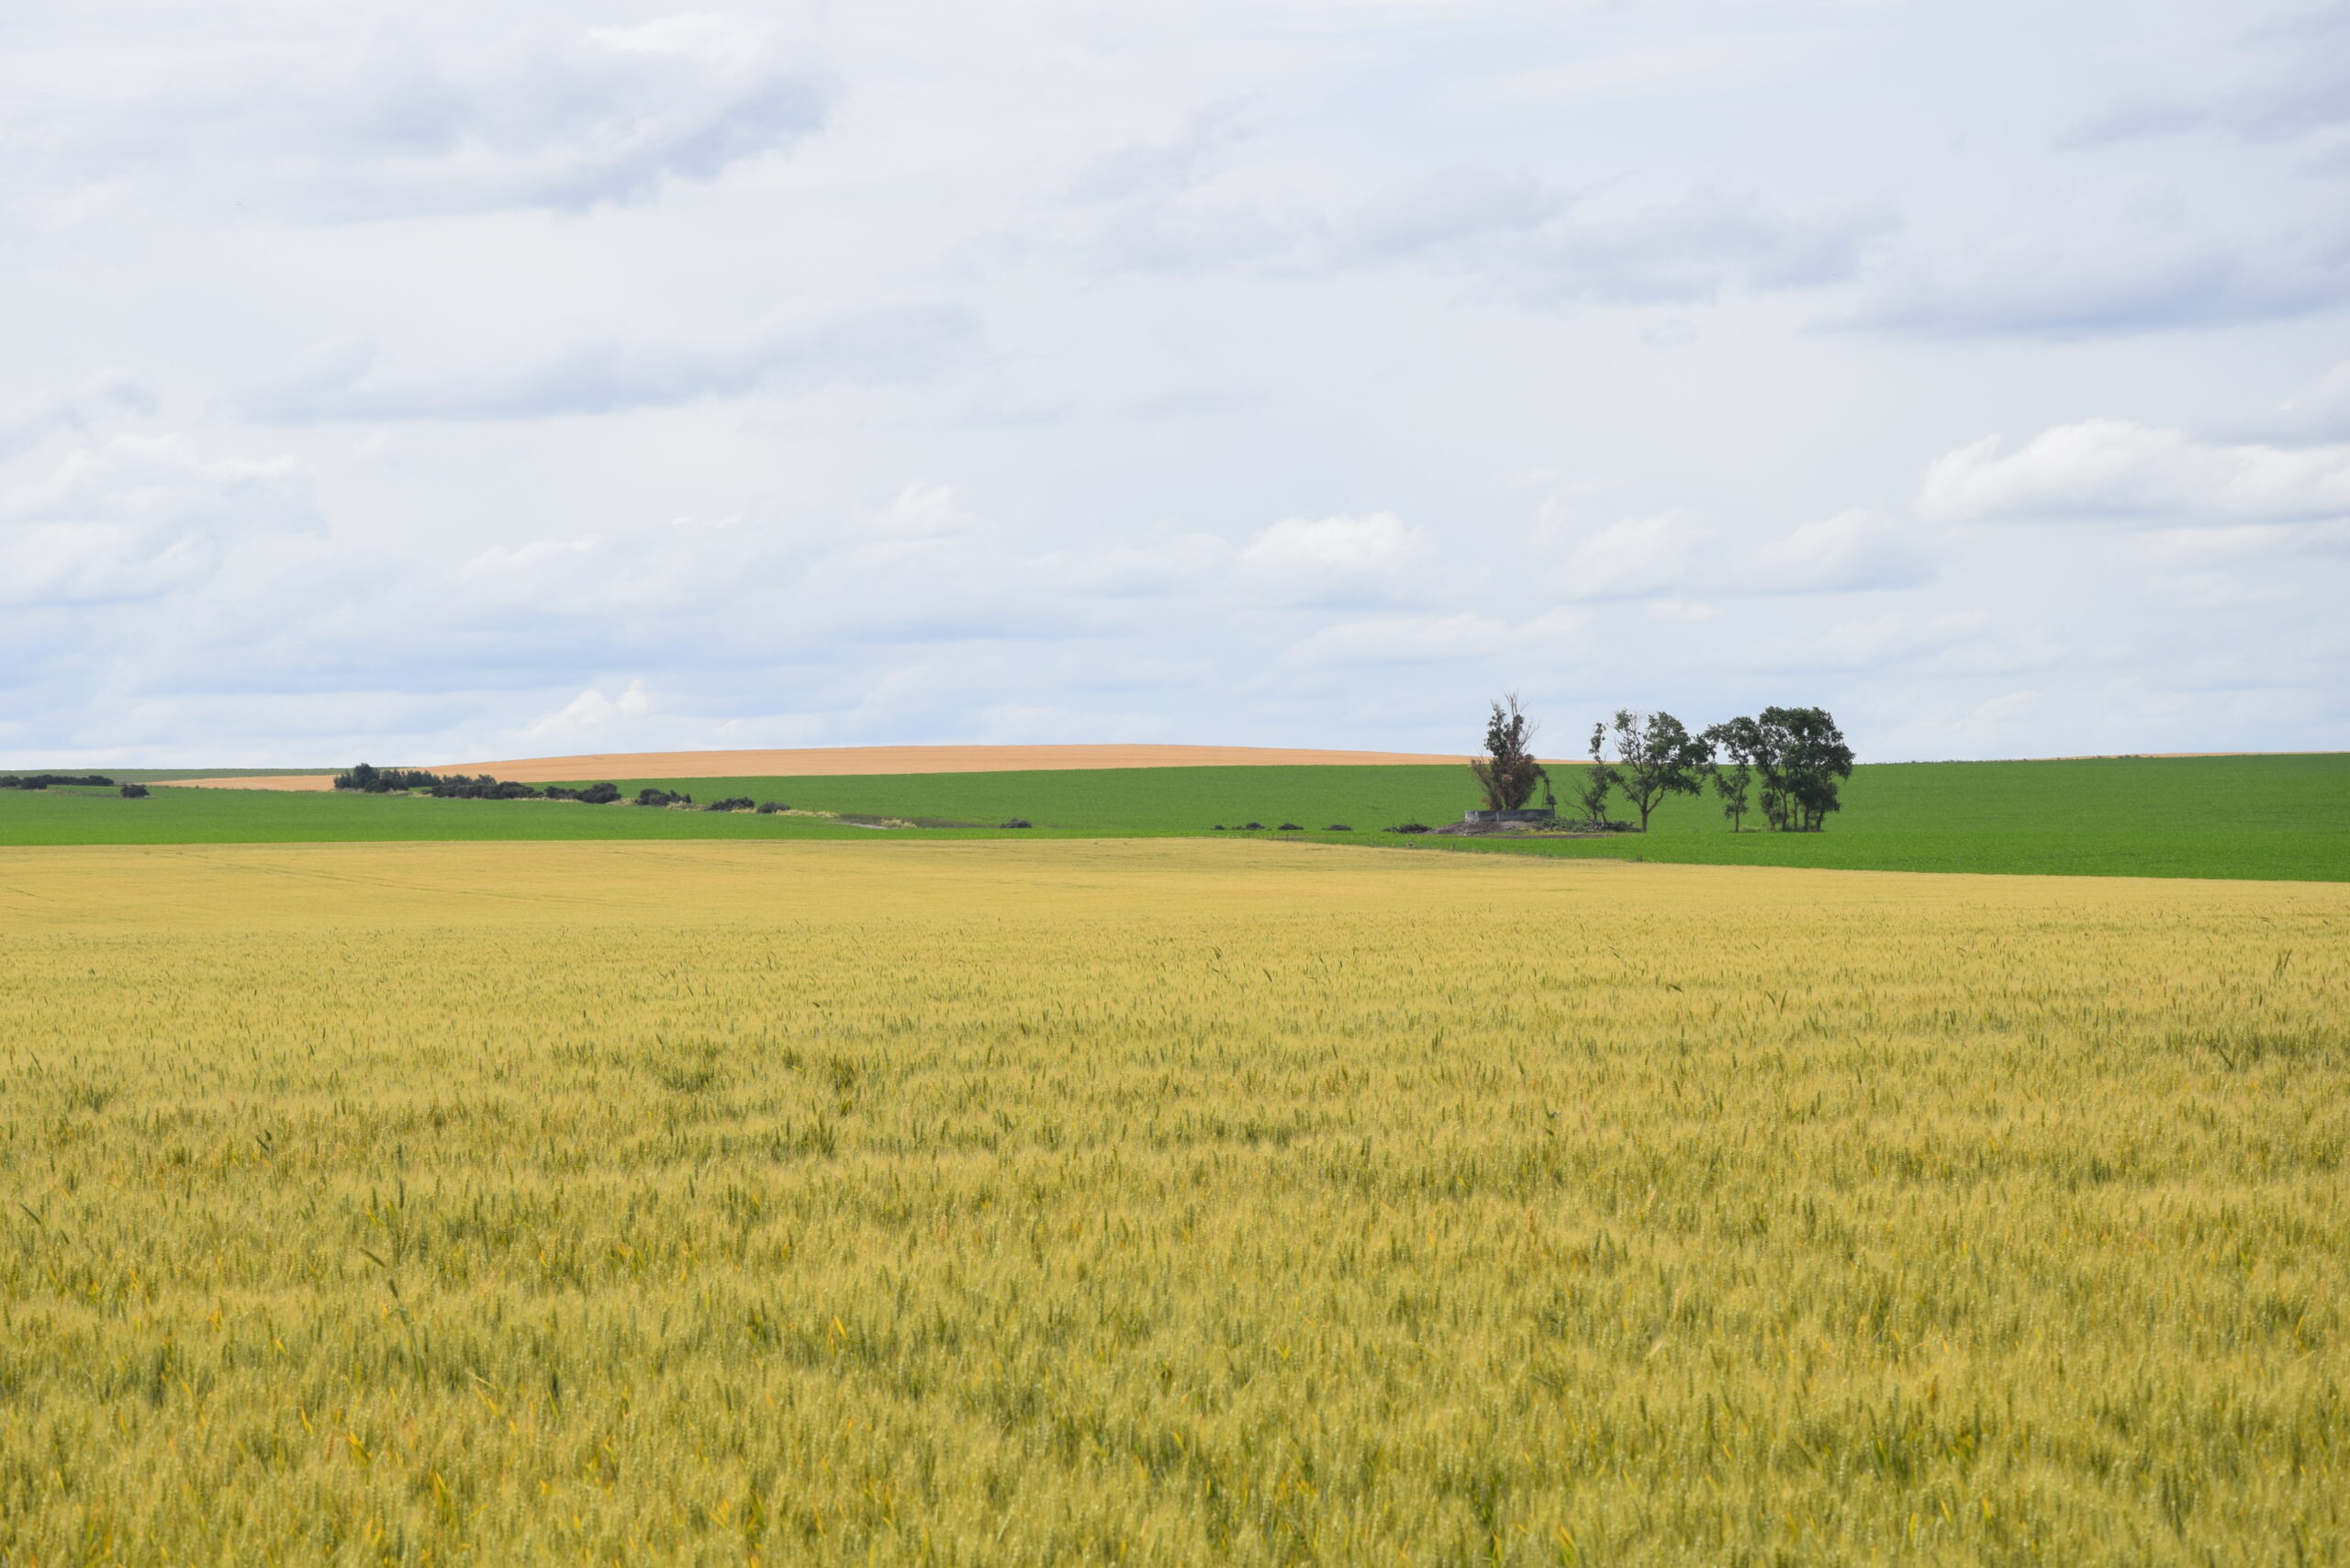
[[482, 788], [1251, 827], [652, 797], [43, 780], [768, 808], [1337, 827], [594, 795], [1020, 821], [1411, 827], [1288, 828], [1219, 827], [134, 792], [733, 803]]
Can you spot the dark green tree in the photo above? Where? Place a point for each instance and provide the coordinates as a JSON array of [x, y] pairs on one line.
[[1798, 756], [1655, 757], [1508, 772], [1812, 757]]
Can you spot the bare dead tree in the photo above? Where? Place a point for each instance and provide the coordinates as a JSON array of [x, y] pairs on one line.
[[1508, 772]]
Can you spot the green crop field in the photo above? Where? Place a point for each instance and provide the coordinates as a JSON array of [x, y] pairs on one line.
[[2279, 818], [62, 816]]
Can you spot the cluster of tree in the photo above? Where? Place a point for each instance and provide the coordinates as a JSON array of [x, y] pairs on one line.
[[457, 786], [134, 792], [650, 796], [1785, 762], [43, 780], [387, 780]]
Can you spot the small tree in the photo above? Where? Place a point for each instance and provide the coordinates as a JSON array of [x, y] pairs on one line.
[[1508, 772], [1731, 783], [1656, 755], [1598, 779], [1738, 740]]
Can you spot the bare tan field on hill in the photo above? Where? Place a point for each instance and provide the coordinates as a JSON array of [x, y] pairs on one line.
[[806, 761]]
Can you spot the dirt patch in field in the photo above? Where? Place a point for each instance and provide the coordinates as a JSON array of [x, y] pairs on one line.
[[826, 761]]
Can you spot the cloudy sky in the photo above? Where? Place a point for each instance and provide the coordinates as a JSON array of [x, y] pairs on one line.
[[425, 381]]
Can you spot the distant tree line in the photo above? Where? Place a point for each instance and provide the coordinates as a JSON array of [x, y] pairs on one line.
[[457, 786], [43, 780], [384, 780], [1785, 763]]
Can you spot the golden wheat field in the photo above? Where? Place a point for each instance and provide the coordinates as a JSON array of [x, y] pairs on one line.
[[1162, 1202]]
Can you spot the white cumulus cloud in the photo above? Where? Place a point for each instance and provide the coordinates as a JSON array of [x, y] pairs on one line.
[[2117, 468], [1847, 552], [589, 714], [1636, 557], [1331, 559]]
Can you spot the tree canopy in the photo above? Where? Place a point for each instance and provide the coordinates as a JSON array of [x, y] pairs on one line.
[[1655, 757]]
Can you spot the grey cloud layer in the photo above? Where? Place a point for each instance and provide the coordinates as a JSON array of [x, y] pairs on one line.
[[1188, 203], [345, 381], [400, 121]]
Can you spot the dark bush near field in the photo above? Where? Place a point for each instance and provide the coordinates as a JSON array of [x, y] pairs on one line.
[[593, 795], [1251, 827], [733, 803], [768, 808], [370, 780], [1288, 828], [134, 792], [1020, 821], [482, 788], [43, 780], [1411, 827], [652, 797], [1337, 827]]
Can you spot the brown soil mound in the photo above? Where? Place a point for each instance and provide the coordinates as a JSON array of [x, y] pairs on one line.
[[816, 761]]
